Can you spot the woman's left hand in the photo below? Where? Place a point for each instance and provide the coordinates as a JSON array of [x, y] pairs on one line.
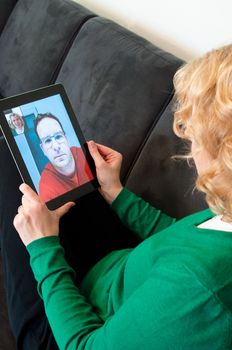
[[34, 220]]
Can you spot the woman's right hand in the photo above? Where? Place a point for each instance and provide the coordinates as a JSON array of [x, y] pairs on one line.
[[108, 165]]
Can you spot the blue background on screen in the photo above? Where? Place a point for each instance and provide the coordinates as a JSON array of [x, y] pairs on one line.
[[28, 143]]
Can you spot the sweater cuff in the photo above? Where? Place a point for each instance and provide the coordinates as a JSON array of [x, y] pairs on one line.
[[121, 198], [41, 243]]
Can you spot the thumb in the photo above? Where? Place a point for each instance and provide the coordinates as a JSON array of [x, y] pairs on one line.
[[95, 153], [64, 209]]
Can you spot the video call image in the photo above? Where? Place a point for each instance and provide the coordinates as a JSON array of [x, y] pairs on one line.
[[49, 146]]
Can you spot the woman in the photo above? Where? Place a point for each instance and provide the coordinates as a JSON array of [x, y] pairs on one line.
[[17, 124], [173, 290]]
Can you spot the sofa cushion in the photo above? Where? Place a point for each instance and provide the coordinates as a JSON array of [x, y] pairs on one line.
[[163, 181], [118, 84], [6, 6], [35, 41]]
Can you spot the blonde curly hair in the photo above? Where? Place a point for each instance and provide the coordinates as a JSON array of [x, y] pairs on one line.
[[203, 92]]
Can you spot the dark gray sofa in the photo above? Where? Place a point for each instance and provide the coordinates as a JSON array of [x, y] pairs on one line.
[[120, 87]]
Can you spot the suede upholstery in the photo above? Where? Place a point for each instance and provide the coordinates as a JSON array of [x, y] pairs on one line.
[[166, 182], [6, 7], [26, 38], [112, 81], [120, 86]]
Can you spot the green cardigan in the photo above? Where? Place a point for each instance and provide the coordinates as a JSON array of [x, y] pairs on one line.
[[173, 291]]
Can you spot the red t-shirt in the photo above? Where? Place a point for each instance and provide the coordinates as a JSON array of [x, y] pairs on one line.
[[53, 184]]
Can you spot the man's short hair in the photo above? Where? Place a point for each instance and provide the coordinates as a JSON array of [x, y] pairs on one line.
[[42, 116]]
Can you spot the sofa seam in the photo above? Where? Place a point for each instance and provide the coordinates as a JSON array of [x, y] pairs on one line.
[[144, 142], [67, 48], [8, 18]]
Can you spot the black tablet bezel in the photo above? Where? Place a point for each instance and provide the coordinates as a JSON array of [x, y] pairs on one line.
[[30, 96]]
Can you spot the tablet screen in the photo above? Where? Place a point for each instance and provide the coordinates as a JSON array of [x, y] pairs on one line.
[[51, 146]]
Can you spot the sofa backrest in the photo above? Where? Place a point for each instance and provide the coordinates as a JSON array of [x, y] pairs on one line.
[[35, 41], [118, 84], [167, 182]]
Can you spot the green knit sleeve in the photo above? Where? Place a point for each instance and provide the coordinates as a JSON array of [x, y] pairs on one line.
[[163, 312], [138, 215]]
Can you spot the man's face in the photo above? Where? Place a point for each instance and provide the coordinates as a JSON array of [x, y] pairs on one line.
[[54, 143], [17, 121]]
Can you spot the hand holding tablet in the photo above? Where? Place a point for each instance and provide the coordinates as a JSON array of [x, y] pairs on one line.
[[28, 221], [49, 148]]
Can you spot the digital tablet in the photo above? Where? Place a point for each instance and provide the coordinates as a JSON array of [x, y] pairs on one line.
[[47, 144]]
